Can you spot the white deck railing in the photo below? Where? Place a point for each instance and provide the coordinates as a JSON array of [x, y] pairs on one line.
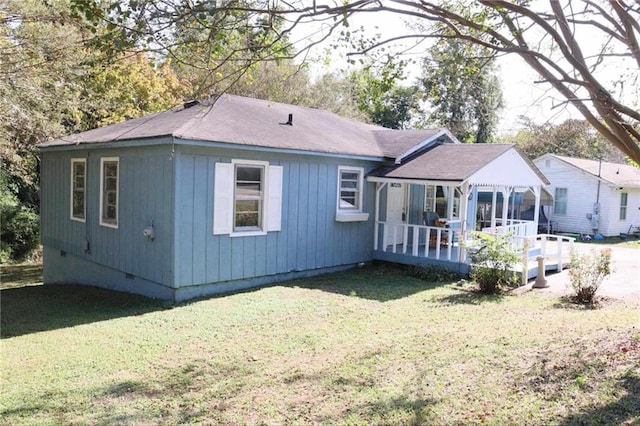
[[556, 248], [437, 241], [517, 228]]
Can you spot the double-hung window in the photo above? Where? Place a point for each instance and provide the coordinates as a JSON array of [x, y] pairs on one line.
[[560, 202], [624, 198], [109, 170], [350, 194], [78, 188], [247, 198]]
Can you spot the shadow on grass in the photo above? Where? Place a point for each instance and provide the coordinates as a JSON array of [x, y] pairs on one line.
[[35, 308], [625, 410], [382, 282], [167, 398], [20, 275], [469, 297]]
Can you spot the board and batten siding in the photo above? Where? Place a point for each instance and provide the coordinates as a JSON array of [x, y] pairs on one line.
[[582, 193], [309, 239], [145, 197]]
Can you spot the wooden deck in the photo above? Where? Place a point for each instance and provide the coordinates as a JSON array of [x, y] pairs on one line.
[[448, 256]]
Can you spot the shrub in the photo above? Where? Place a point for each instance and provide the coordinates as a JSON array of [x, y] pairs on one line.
[[18, 228], [492, 262], [433, 273], [587, 273]]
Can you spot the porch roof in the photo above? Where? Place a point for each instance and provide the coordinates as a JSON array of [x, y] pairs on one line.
[[446, 162], [479, 164]]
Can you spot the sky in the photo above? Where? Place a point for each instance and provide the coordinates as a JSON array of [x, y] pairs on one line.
[[521, 95]]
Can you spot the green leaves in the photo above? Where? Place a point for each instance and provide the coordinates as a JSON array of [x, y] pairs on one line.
[[462, 89]]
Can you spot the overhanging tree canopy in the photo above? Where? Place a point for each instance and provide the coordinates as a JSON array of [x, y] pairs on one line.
[[568, 43]]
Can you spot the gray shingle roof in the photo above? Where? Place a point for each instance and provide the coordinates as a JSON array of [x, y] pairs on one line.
[[617, 174], [253, 122], [445, 162]]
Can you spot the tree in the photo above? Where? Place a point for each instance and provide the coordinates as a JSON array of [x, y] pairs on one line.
[[556, 42], [571, 138], [460, 84], [54, 82], [380, 96]]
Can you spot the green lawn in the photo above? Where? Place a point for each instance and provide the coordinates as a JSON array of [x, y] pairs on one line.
[[369, 346]]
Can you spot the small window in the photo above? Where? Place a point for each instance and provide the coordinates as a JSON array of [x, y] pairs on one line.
[[109, 169], [78, 188], [560, 203], [248, 197], [623, 205], [350, 187]]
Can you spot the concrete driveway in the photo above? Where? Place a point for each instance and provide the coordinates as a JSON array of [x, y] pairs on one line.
[[624, 281]]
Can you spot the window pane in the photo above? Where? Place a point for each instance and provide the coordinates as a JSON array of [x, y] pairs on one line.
[[249, 194], [349, 194], [248, 190], [78, 183], [350, 176], [77, 189], [349, 184], [560, 205], [109, 212], [78, 169], [244, 173], [623, 206], [111, 169], [78, 205]]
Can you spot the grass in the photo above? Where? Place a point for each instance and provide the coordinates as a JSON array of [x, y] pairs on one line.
[[368, 346]]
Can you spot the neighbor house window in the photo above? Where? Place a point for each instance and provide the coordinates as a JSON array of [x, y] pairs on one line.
[[109, 168], [560, 203], [350, 194], [248, 197], [78, 192], [623, 205]]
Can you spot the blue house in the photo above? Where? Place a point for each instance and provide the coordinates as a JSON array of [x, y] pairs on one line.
[[236, 192]]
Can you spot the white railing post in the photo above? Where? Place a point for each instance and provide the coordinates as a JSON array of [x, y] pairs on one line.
[[405, 234], [438, 239], [416, 240], [559, 254], [427, 242], [393, 241]]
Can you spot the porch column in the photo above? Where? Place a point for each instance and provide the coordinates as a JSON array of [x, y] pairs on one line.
[[494, 200], [537, 190], [506, 193], [464, 207], [379, 187]]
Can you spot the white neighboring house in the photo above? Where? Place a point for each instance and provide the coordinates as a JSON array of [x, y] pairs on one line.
[[592, 196]]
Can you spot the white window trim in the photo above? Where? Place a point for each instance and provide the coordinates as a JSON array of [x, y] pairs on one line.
[[102, 161], [265, 199], [84, 213], [351, 215]]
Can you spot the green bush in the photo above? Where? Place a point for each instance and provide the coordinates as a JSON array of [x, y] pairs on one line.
[[587, 273], [19, 227], [433, 273], [492, 262]]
